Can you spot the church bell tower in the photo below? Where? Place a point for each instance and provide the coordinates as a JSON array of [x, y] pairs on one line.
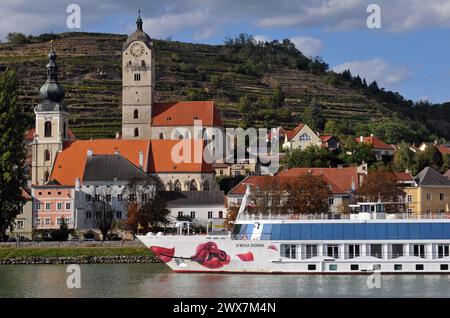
[[51, 125], [138, 84]]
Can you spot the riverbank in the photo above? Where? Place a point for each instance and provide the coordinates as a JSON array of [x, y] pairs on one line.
[[75, 255]]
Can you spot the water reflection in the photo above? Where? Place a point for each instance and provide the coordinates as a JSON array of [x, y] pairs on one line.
[[155, 280]]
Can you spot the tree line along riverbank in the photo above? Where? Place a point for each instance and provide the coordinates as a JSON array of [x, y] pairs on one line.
[[75, 255]]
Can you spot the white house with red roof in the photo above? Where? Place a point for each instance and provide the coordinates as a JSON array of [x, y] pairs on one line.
[[381, 149]]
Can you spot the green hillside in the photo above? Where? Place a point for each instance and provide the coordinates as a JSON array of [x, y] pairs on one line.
[[90, 70]]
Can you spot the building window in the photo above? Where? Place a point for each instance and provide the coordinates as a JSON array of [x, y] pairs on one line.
[[220, 215], [88, 214], [67, 205], [48, 206], [136, 132], [332, 267], [311, 267], [180, 214], [47, 221], [97, 197], [330, 201], [20, 225], [288, 251], [441, 196], [444, 267], [210, 215], [177, 185], [419, 267], [310, 251], [58, 221], [119, 197], [354, 267], [132, 197], [38, 221], [88, 198], [428, 196], [192, 214], [161, 136], [38, 206], [353, 251], [46, 176], [193, 185], [108, 198], [59, 206], [419, 250], [398, 267], [47, 129], [136, 114], [376, 250], [144, 197], [118, 215], [137, 77], [397, 250], [206, 185], [305, 137], [333, 251], [46, 155], [409, 198], [443, 251]]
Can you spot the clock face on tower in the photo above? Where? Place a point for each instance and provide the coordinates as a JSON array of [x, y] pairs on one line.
[[137, 49]]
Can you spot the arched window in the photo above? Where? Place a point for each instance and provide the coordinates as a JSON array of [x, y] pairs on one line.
[[177, 185], [136, 132], [206, 185], [46, 176], [193, 185], [46, 155], [136, 114], [48, 129], [203, 136], [161, 136]]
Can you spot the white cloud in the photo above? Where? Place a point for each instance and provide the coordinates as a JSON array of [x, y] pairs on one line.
[[378, 70], [310, 47]]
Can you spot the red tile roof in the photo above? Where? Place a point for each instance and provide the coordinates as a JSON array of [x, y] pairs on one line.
[[444, 150], [161, 159], [325, 138], [375, 142], [403, 176], [25, 195], [184, 114], [260, 180], [70, 163], [343, 178], [291, 133]]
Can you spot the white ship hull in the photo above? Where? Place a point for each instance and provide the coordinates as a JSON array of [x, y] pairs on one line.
[[225, 255]]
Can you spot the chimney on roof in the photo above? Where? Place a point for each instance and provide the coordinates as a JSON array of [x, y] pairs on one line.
[[361, 138], [90, 152], [117, 152], [141, 159]]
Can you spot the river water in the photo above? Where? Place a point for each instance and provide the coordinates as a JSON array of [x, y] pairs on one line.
[[155, 280]]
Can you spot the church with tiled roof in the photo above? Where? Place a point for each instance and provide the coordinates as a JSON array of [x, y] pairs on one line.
[[150, 133]]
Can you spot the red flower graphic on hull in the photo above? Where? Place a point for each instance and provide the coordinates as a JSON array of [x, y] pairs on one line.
[[210, 256], [247, 257], [163, 253]]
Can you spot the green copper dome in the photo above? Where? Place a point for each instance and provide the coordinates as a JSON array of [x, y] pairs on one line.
[[51, 90]]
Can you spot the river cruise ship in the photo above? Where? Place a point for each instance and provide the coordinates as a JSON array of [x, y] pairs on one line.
[[368, 239]]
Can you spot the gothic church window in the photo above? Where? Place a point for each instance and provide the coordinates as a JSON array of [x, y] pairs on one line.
[[136, 114], [137, 77], [46, 155], [193, 185], [177, 185]]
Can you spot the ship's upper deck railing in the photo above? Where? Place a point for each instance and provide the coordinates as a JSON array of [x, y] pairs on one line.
[[340, 216]]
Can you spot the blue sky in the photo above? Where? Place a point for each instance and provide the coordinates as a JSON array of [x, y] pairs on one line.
[[408, 54]]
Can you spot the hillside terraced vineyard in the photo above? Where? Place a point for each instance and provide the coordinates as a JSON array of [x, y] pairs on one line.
[[90, 71]]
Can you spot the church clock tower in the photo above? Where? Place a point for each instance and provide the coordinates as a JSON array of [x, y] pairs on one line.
[[138, 84], [51, 125]]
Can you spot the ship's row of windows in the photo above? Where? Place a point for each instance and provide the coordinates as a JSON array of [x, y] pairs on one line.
[[347, 231], [350, 251], [356, 267]]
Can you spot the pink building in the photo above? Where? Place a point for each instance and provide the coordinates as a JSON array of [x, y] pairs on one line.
[[51, 204]]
